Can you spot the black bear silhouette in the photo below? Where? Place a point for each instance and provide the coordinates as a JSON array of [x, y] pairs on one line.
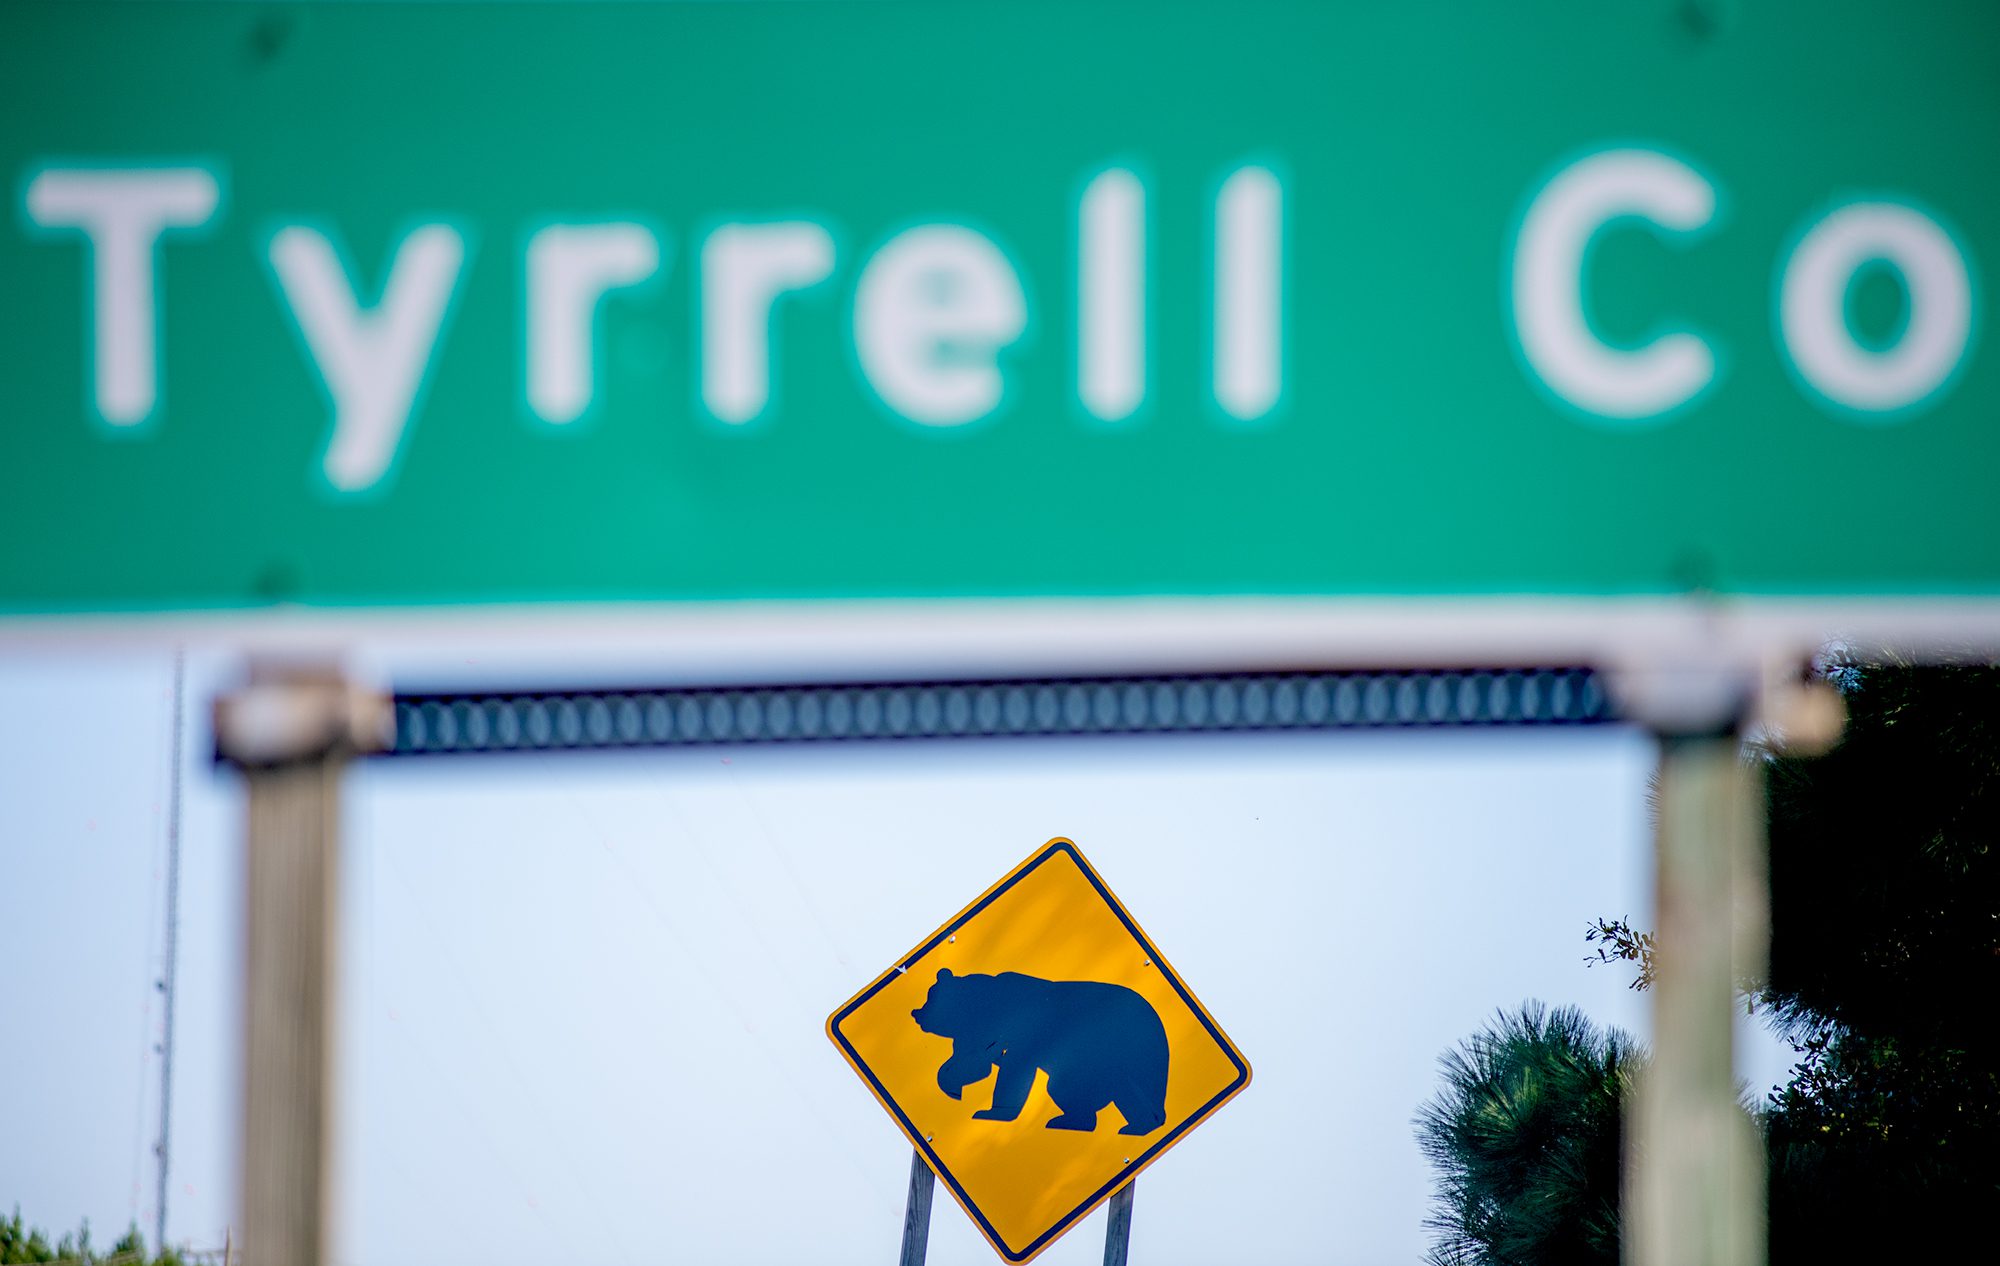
[[1101, 1044]]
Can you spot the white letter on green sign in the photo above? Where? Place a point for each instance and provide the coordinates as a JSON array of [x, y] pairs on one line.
[[372, 360], [1249, 293], [570, 269], [1549, 323], [1812, 307], [744, 268], [122, 212], [1111, 295], [932, 311]]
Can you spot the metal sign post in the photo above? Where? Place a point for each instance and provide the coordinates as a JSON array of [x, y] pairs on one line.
[[917, 1212], [1118, 1229], [917, 1218], [291, 732]]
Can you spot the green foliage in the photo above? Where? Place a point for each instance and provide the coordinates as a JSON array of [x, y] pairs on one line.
[[1885, 879], [20, 1245], [1617, 942], [23, 1245], [1525, 1137], [1885, 963]]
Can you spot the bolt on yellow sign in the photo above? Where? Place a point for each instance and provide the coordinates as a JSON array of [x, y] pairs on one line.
[[1038, 1051]]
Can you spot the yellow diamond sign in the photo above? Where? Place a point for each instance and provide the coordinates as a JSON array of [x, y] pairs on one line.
[[1038, 1051]]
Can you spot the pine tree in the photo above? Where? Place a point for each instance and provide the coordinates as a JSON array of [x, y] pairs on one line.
[[1525, 1136]]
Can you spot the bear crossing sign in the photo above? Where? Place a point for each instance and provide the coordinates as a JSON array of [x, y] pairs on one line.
[[1104, 1057]]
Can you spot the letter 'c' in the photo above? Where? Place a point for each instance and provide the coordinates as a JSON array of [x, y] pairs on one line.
[[1554, 336]]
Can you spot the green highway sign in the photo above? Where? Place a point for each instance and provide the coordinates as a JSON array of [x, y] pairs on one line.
[[415, 304]]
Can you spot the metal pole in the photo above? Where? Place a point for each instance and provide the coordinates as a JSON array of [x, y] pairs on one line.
[[1695, 1173], [917, 1212], [163, 1150], [1118, 1228], [291, 731]]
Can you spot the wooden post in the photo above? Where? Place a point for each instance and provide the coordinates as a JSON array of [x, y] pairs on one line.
[[291, 731], [1118, 1227], [917, 1212], [1695, 1172]]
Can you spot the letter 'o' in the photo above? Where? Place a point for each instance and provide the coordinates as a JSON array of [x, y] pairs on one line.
[[1812, 307]]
